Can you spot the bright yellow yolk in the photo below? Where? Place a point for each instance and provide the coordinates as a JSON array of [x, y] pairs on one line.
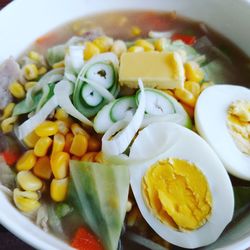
[[238, 123], [177, 193]]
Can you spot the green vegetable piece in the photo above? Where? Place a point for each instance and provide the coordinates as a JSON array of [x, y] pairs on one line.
[[56, 54], [23, 108], [78, 96], [100, 192], [63, 209]]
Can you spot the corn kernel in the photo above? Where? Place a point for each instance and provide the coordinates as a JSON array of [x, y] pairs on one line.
[[47, 128], [104, 43], [90, 50], [135, 48], [30, 72], [145, 44], [27, 161], [42, 146], [160, 44], [193, 72], [7, 125], [58, 189], [31, 139], [90, 157], [26, 201], [17, 90], [168, 92], [42, 168], [79, 145], [99, 157], [62, 127], [61, 114], [29, 85], [94, 145], [58, 65], [185, 96], [136, 31], [77, 129], [119, 47], [68, 141], [58, 143], [7, 112], [34, 56], [59, 164], [42, 71], [28, 181], [193, 87], [206, 85]]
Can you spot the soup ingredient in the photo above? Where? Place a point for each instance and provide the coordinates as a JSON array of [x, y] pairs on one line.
[[17, 90], [90, 50], [188, 39], [42, 168], [177, 194], [27, 161], [156, 69], [28, 181], [117, 139], [79, 145], [108, 186], [159, 107], [84, 239], [238, 123], [42, 146], [96, 84], [193, 72], [59, 189], [220, 124], [175, 151], [28, 126], [59, 164], [26, 201], [7, 175], [7, 125], [47, 128], [7, 111], [63, 91], [9, 72]]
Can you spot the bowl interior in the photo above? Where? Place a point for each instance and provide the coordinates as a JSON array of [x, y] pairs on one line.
[[23, 21]]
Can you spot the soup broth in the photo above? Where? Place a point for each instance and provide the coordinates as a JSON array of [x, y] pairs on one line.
[[130, 26]]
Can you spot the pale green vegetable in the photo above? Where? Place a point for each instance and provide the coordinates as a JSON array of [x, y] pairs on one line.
[[100, 192]]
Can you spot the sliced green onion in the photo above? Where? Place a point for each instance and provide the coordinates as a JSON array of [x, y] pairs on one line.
[[101, 73], [157, 102], [62, 91], [114, 141], [91, 96], [121, 108]]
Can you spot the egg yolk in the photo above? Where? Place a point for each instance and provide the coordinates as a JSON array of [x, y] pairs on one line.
[[177, 193], [238, 122]]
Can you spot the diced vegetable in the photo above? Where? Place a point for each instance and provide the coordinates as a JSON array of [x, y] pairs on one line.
[[86, 240], [188, 39], [107, 185]]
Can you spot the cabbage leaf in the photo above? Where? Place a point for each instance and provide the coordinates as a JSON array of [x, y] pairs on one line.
[[99, 192]]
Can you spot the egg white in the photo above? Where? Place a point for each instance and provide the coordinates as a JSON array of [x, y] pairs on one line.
[[179, 142], [211, 123]]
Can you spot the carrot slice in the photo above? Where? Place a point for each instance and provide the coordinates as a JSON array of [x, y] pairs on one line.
[[86, 240]]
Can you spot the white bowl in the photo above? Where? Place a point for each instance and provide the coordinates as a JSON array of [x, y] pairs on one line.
[[23, 21]]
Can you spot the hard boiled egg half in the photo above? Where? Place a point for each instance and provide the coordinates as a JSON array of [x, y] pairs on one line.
[[222, 118], [180, 185]]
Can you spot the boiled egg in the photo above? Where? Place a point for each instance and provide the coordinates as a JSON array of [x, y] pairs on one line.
[[181, 187], [222, 118]]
